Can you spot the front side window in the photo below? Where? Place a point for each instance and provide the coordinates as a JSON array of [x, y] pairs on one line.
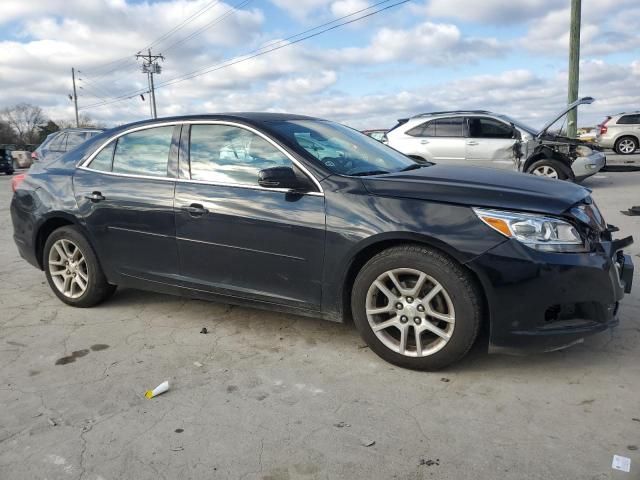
[[145, 152], [341, 149], [229, 154], [448, 127], [489, 128]]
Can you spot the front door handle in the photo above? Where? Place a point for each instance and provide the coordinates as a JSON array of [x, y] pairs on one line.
[[424, 142], [471, 142], [195, 210], [95, 197]]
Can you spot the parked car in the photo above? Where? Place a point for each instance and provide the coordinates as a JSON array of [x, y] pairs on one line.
[[6, 161], [620, 132], [379, 134], [61, 142], [21, 158], [419, 256], [483, 138]]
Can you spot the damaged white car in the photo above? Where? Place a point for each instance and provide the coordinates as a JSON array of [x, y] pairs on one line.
[[482, 138]]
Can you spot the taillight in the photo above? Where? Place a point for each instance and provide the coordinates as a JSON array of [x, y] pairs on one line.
[[17, 180], [603, 126]]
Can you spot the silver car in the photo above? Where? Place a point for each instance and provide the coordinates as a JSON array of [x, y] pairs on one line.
[[479, 137], [620, 132]]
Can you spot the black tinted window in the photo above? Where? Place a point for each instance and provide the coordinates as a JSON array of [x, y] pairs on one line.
[[427, 129], [145, 152], [489, 128], [227, 154], [628, 120], [448, 127], [104, 159]]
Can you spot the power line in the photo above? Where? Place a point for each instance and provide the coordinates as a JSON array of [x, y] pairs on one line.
[[125, 60], [261, 51], [215, 21]]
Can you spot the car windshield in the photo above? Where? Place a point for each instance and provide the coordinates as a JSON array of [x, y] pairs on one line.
[[341, 149]]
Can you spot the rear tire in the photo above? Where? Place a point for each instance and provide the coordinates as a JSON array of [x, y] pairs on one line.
[[72, 269], [550, 168], [626, 145], [424, 293]]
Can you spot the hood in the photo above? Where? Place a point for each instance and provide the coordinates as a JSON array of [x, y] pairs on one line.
[[571, 106], [479, 187]]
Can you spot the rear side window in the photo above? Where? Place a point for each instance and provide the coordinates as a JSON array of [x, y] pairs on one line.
[[58, 144], [629, 120], [229, 154], [427, 129], [75, 139], [104, 160], [449, 127], [488, 128], [145, 152]]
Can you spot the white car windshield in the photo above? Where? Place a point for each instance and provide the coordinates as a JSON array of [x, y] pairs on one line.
[[341, 149]]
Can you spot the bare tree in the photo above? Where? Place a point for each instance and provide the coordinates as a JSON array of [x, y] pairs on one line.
[[24, 119], [84, 120], [7, 135]]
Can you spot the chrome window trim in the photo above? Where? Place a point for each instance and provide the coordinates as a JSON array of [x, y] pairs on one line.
[[83, 164]]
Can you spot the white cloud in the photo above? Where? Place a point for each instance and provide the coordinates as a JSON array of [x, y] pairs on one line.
[[426, 43], [346, 7], [492, 11]]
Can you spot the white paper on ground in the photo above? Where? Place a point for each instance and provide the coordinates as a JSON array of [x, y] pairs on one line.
[[621, 463]]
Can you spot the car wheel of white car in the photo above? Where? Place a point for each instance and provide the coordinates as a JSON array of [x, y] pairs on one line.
[[550, 168], [626, 145]]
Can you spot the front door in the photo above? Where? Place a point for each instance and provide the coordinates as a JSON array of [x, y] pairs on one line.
[[490, 143], [125, 196], [236, 238]]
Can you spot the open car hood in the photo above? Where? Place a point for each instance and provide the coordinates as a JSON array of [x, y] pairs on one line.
[[571, 106]]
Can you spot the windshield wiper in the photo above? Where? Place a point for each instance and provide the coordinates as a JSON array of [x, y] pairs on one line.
[[414, 166], [368, 172]]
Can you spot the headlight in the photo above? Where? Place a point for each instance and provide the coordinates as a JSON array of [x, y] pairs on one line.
[[547, 234], [583, 151]]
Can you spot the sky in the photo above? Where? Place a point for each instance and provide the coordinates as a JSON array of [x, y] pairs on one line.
[[423, 55]]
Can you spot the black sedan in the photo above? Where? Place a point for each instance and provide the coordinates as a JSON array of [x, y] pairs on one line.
[[308, 216]]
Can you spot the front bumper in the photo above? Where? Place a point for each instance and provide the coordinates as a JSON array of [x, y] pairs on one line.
[[584, 167], [546, 301]]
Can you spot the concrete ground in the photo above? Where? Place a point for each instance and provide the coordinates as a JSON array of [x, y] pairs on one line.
[[271, 396]]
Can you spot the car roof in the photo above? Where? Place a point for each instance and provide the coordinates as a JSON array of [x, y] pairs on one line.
[[247, 117], [454, 112], [81, 129]]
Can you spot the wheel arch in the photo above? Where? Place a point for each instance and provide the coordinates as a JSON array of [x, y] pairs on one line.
[[52, 222], [377, 244]]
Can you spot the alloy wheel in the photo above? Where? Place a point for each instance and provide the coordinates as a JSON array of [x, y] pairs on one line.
[[68, 268], [627, 146], [410, 312], [545, 171]]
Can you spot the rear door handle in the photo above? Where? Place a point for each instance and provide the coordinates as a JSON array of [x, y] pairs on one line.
[[472, 143], [424, 142], [195, 210], [95, 197]]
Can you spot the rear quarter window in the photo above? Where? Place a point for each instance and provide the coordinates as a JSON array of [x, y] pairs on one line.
[[629, 120]]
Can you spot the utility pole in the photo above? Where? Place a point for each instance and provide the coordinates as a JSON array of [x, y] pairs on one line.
[[150, 66], [75, 95], [574, 66]]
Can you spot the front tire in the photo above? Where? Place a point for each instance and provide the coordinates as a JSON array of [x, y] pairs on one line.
[[72, 269], [626, 145], [550, 168], [416, 308]]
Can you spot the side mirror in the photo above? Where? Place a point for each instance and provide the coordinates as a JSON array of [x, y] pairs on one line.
[[278, 177]]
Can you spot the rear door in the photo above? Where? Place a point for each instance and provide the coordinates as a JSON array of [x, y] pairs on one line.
[[490, 143], [125, 195], [237, 238], [438, 140]]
